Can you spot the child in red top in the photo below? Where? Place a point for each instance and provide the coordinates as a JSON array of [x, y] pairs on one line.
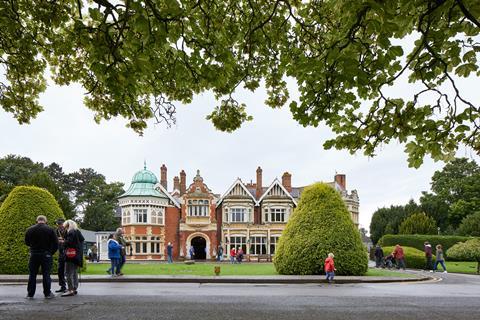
[[330, 267]]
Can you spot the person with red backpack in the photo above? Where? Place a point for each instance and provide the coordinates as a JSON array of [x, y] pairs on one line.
[[330, 267]]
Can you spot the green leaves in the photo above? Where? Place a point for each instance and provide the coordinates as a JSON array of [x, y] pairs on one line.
[[342, 54]]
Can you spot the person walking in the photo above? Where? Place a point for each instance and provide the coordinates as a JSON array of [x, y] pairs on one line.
[[43, 244], [427, 248], [233, 254], [439, 258], [378, 256], [219, 252], [123, 252], [114, 254], [330, 268], [170, 252], [73, 256], [61, 233], [399, 257]]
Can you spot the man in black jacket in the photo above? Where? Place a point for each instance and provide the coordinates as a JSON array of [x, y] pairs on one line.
[[43, 244]]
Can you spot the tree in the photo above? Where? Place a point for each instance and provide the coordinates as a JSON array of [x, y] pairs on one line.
[[16, 171], [466, 251], [387, 220], [455, 188], [418, 223], [319, 225], [470, 225], [17, 213], [135, 58], [100, 216]]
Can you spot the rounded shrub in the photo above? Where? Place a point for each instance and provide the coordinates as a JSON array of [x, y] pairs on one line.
[[17, 213], [320, 224], [414, 258]]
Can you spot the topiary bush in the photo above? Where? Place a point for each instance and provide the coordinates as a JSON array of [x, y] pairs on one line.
[[418, 223], [17, 213], [466, 251], [414, 258], [470, 225], [320, 224], [417, 241]]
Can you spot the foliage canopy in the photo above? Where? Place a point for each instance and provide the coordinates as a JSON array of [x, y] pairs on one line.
[[418, 223], [320, 224], [135, 58]]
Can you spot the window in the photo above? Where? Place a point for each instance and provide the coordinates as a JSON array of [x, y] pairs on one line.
[[273, 244], [140, 215], [198, 208], [277, 214], [258, 245], [236, 242], [237, 215], [157, 215], [126, 217], [155, 245]]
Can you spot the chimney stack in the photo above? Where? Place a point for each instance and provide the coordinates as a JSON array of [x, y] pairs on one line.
[[183, 182], [176, 183], [259, 190], [341, 180], [287, 181], [163, 176]]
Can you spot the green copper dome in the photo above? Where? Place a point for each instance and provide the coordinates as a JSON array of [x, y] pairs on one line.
[[145, 176], [143, 184]]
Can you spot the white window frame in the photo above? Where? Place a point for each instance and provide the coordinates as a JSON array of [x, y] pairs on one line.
[[140, 215]]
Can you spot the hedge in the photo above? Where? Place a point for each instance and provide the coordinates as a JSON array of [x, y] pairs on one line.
[[320, 224], [17, 213], [414, 258], [417, 241], [467, 251]]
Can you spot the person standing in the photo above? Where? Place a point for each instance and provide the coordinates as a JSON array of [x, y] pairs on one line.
[[427, 248], [114, 249], [192, 253], [330, 267], [439, 258], [61, 232], [219, 252], [239, 255], [123, 252], [399, 257], [233, 253], [73, 256], [170, 252], [378, 256], [43, 244], [94, 249]]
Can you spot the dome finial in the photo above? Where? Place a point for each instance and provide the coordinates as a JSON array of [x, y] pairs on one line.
[[144, 164]]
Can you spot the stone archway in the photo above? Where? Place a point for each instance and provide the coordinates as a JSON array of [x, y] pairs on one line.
[[189, 241], [199, 245]]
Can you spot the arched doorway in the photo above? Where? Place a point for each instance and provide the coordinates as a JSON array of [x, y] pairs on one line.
[[199, 244]]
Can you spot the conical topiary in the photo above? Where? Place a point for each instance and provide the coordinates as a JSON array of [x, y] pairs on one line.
[[320, 224], [18, 212]]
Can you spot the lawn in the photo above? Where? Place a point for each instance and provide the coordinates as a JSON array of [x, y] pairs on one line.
[[206, 269], [462, 267]]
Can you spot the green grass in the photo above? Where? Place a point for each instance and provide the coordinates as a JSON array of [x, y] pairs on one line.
[[461, 267], [206, 269]]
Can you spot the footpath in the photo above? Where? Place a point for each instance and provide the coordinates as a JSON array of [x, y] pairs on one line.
[[277, 279]]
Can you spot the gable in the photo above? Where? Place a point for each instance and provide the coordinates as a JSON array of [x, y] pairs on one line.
[[277, 190], [237, 190]]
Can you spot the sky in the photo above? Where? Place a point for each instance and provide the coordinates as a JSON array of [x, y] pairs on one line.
[[66, 133]]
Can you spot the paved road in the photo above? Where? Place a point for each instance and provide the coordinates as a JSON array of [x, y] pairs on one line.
[[455, 297]]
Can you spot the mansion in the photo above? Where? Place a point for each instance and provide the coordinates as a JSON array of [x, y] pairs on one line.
[[247, 215]]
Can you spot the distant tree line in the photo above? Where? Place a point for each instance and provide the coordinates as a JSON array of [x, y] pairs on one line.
[[83, 195], [452, 205]]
